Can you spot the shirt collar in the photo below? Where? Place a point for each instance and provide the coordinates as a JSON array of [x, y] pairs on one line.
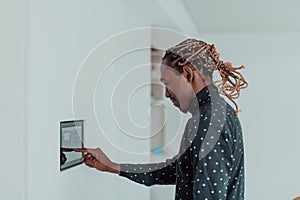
[[202, 97]]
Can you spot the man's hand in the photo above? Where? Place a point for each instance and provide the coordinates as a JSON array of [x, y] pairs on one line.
[[95, 158]]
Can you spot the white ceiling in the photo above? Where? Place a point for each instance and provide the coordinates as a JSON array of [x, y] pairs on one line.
[[245, 16]]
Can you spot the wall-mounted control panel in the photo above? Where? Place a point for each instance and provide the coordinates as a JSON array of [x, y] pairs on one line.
[[71, 137]]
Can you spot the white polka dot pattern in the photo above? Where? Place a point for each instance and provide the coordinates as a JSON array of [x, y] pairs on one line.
[[210, 161]]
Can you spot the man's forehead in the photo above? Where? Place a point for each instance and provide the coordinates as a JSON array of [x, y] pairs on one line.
[[165, 69], [166, 72]]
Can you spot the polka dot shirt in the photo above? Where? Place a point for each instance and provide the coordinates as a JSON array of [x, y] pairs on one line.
[[210, 162]]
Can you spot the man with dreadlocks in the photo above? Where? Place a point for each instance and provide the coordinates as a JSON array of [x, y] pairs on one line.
[[210, 161]]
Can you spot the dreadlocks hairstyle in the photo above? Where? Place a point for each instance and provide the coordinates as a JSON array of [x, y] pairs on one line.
[[205, 58]]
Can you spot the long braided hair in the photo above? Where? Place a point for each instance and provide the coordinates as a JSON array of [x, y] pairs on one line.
[[205, 58]]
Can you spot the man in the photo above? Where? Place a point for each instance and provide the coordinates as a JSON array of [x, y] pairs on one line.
[[210, 161]]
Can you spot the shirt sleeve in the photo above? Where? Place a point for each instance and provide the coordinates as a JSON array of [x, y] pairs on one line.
[[157, 173], [151, 174]]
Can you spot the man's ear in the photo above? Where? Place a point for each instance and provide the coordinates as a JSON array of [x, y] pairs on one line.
[[188, 73]]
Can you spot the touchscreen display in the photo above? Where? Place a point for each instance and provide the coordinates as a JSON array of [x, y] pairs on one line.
[[71, 135]]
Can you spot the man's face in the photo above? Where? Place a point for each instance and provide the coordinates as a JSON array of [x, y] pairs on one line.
[[178, 89]]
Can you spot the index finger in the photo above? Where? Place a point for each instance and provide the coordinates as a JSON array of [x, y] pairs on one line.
[[80, 149]]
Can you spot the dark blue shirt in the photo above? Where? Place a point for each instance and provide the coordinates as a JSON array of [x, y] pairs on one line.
[[210, 162]]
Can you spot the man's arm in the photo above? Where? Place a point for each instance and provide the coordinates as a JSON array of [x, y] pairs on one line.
[[151, 174], [157, 173], [147, 174]]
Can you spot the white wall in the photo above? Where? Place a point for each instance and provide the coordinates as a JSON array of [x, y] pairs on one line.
[[43, 45], [61, 34], [269, 109], [12, 97]]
